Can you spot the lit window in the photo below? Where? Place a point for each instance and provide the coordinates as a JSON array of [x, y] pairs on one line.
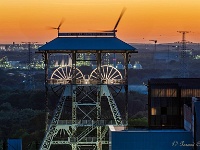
[[153, 111]]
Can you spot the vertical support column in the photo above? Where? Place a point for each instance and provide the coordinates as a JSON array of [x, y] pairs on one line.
[[180, 104], [73, 87], [150, 98], [29, 68], [46, 59], [99, 137], [126, 59], [73, 84], [99, 66], [99, 128]]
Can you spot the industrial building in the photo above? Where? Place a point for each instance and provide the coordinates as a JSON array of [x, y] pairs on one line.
[[174, 118], [141, 139], [187, 138], [166, 98]]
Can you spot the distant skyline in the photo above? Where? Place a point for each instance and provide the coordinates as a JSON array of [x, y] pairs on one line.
[[144, 20]]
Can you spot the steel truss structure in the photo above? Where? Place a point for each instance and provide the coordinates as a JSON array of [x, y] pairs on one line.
[[86, 105], [184, 56]]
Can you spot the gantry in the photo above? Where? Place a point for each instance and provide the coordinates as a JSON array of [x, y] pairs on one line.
[[80, 119]]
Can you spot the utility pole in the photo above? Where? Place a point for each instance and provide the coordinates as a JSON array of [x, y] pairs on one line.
[[154, 63], [184, 73], [29, 76]]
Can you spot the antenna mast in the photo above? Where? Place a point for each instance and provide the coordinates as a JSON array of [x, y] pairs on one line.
[[29, 77]]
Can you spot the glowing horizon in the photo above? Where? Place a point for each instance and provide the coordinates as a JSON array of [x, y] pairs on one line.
[[143, 20]]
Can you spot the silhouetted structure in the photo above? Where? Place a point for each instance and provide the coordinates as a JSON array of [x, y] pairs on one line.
[[166, 98], [184, 54]]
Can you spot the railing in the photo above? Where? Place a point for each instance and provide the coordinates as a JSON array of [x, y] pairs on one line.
[[59, 81], [86, 81], [83, 140], [89, 139], [87, 122]]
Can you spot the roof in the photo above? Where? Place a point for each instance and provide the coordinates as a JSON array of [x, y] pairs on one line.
[[158, 130], [192, 83], [111, 44]]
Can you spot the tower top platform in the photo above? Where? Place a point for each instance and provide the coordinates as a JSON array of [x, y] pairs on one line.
[[83, 42]]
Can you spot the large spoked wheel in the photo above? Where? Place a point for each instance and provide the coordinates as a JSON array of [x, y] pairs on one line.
[[110, 76], [63, 76]]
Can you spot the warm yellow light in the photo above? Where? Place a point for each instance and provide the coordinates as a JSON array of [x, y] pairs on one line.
[[153, 111]]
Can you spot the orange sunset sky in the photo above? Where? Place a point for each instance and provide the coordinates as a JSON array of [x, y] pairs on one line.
[[27, 20]]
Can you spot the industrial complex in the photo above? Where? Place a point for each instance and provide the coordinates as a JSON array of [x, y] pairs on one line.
[[92, 95], [173, 118]]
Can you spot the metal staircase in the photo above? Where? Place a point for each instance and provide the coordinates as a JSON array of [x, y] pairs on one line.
[[86, 132]]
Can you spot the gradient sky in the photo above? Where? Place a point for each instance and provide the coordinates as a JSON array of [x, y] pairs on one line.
[[144, 20]]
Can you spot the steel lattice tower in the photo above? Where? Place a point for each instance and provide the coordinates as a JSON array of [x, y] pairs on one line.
[[184, 56], [30, 85], [86, 106]]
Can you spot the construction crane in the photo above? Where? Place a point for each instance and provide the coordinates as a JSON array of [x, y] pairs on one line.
[[155, 41]]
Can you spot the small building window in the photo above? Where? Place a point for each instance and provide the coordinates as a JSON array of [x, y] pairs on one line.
[[163, 110], [153, 111]]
